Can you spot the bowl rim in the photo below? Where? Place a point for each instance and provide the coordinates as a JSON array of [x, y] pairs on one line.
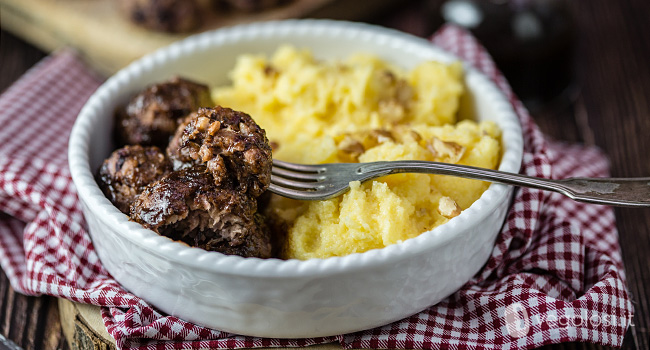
[[98, 205]]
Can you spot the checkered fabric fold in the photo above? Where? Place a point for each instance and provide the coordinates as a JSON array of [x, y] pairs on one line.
[[555, 273]]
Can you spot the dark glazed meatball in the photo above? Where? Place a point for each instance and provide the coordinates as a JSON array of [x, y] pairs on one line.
[[128, 170], [152, 116], [230, 144], [188, 206], [163, 15]]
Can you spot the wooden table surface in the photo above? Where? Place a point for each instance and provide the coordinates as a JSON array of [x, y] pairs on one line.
[[611, 110]]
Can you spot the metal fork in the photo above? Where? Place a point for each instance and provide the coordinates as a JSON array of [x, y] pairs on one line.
[[324, 181]]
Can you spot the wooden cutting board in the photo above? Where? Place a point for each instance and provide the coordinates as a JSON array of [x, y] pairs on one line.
[[109, 41]]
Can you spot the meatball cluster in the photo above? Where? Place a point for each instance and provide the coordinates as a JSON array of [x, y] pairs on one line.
[[203, 190]]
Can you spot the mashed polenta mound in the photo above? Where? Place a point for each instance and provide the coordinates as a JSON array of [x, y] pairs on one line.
[[362, 109]]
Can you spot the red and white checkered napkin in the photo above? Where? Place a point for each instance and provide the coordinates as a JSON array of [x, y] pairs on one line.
[[555, 274]]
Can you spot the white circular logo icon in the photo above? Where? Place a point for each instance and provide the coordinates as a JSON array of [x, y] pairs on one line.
[[517, 322]]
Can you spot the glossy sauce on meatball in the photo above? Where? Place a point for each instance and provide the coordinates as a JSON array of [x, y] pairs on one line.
[[128, 170], [152, 116], [187, 205]]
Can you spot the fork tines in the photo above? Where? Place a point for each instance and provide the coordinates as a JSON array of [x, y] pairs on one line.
[[302, 177]]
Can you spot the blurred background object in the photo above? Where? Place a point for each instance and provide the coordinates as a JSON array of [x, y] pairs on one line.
[[181, 16], [174, 16], [110, 34], [251, 5], [531, 41]]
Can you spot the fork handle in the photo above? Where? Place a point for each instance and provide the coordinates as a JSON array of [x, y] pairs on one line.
[[626, 192]]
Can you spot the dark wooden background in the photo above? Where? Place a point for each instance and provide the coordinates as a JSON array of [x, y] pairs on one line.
[[611, 109]]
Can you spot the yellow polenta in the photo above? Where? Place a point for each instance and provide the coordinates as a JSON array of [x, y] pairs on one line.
[[358, 110]]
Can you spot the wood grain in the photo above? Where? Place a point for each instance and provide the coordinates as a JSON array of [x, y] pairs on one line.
[[611, 109], [615, 47], [30, 322]]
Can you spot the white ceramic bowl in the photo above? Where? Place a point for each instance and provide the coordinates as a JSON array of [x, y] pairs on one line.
[[275, 298]]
